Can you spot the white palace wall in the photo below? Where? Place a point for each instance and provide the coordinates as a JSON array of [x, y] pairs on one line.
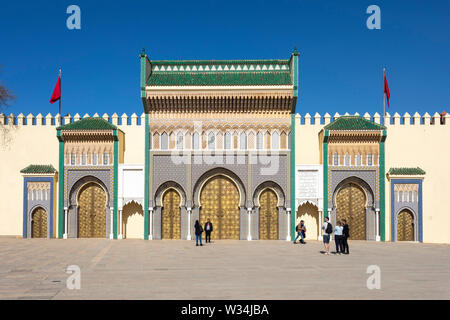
[[417, 141], [412, 141], [32, 140]]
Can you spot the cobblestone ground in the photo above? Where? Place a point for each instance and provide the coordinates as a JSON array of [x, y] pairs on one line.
[[138, 269]]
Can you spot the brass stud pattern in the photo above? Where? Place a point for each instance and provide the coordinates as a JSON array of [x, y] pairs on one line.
[[220, 203], [171, 218], [268, 217], [39, 223], [351, 202], [405, 226], [92, 212]]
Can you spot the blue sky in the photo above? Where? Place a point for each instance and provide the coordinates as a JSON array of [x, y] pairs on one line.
[[340, 59]]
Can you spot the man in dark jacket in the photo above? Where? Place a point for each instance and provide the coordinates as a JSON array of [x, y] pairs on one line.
[[345, 236], [208, 230]]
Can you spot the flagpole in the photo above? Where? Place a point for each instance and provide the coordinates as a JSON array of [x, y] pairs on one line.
[[60, 115], [384, 95]]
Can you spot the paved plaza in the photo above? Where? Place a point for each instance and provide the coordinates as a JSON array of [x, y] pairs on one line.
[[138, 269]]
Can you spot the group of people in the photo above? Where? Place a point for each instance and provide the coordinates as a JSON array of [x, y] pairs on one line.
[[341, 234], [199, 230]]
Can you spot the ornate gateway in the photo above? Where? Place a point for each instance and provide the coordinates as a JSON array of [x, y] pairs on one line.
[[351, 206], [171, 218], [405, 226], [39, 224], [268, 215], [220, 203], [92, 212]]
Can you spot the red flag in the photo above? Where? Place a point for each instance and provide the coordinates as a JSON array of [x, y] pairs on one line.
[[57, 91], [386, 89]]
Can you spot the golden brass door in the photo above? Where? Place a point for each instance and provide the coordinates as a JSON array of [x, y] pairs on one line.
[[405, 226], [92, 212], [39, 223], [170, 216], [220, 203], [351, 203], [268, 215]]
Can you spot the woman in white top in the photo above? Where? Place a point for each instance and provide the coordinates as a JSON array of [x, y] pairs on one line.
[[338, 237]]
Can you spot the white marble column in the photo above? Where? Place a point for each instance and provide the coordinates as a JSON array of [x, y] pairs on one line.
[[288, 211], [120, 225], [111, 223], [377, 225], [249, 236], [65, 223], [189, 212], [319, 235], [150, 218]]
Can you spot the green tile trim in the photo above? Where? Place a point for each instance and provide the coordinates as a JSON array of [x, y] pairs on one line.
[[325, 173], [88, 123], [292, 177], [39, 169], [219, 62], [146, 173], [353, 123], [116, 182], [382, 188], [406, 171], [60, 186], [228, 78]]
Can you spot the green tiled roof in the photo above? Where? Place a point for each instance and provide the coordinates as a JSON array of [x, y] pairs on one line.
[[219, 62], [353, 123], [88, 124], [219, 72], [406, 171], [219, 78], [39, 168]]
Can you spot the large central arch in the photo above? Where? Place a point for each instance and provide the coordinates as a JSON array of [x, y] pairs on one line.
[[353, 200], [94, 207], [220, 195]]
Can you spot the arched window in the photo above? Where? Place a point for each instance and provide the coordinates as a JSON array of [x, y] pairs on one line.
[[275, 141], [211, 141], [94, 159], [335, 159], [358, 160], [106, 159], [164, 141], [196, 141], [370, 159], [227, 140], [180, 141], [243, 141], [73, 159], [260, 140], [84, 159], [347, 160]]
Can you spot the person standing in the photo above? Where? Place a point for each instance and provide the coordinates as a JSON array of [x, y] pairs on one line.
[[327, 230], [338, 237], [345, 236], [198, 233], [208, 230]]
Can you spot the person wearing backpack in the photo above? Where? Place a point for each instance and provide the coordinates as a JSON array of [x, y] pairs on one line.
[[301, 232], [198, 233], [327, 230]]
